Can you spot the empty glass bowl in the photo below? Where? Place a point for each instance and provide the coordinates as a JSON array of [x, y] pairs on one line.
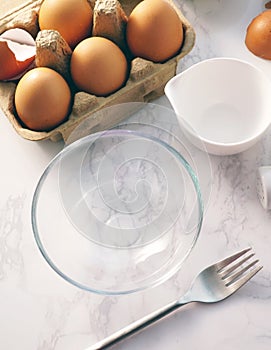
[[117, 212]]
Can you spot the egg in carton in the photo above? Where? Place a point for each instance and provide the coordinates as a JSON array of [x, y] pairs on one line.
[[146, 79]]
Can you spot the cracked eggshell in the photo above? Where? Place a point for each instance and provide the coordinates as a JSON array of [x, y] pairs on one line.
[[17, 53]]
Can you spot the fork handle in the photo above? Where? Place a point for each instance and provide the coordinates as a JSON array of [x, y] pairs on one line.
[[136, 326]]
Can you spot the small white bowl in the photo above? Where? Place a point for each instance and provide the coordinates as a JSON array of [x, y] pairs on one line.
[[222, 104]]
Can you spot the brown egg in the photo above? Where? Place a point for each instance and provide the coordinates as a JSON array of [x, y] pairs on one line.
[[42, 99], [154, 31], [71, 18], [258, 36], [98, 66]]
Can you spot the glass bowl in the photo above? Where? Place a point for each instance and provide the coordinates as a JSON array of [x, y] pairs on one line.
[[117, 212]]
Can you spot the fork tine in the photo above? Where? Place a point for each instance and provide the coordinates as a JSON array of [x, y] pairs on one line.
[[239, 272], [240, 282], [226, 271], [223, 263]]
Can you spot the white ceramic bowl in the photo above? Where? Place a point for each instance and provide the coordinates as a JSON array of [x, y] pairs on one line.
[[223, 104]]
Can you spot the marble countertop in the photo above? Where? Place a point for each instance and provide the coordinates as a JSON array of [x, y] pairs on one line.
[[40, 311]]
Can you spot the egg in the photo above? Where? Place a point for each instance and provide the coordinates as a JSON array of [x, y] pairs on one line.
[[71, 18], [258, 36], [98, 66], [154, 31], [42, 99]]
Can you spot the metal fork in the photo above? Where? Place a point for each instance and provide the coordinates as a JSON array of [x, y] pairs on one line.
[[215, 283]]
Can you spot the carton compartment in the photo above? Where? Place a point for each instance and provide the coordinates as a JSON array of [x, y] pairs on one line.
[[146, 81]]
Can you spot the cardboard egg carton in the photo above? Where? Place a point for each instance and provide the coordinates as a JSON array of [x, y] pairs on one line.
[[146, 81]]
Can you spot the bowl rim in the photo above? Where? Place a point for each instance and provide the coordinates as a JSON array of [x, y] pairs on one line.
[[105, 291]]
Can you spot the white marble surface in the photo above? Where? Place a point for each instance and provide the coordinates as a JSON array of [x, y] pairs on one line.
[[40, 311]]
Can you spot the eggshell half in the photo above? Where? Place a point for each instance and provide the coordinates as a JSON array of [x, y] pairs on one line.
[[17, 53]]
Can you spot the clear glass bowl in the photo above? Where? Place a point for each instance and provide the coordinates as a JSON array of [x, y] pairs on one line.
[[117, 212]]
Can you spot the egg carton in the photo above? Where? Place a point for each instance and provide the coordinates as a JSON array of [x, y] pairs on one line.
[[146, 81]]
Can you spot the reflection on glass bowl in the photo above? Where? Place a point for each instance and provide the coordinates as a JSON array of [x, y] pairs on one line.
[[117, 212]]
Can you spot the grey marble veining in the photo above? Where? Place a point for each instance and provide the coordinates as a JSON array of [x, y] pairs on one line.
[[11, 221], [40, 311]]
